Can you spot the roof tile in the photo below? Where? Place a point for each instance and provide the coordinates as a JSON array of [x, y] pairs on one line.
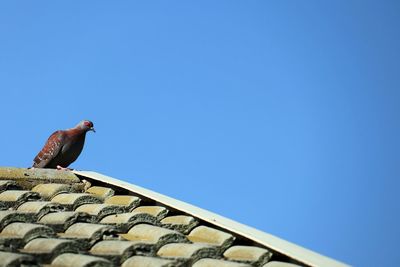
[[219, 263], [157, 211], [100, 210], [118, 251], [14, 198], [8, 185], [73, 200], [248, 254], [48, 248], [208, 235], [280, 264], [141, 261], [100, 191], [48, 191], [8, 259], [28, 178], [190, 252], [181, 223], [153, 234], [97, 226], [78, 260], [130, 202], [88, 233], [17, 234], [124, 221], [60, 221], [10, 216], [40, 208]]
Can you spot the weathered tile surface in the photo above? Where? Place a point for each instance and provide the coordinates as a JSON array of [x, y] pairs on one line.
[[53, 218]]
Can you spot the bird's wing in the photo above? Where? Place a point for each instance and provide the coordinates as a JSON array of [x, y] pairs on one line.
[[50, 150]]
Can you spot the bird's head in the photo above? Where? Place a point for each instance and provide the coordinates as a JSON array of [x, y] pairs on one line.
[[86, 126]]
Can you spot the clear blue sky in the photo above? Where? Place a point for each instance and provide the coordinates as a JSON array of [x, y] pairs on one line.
[[283, 115]]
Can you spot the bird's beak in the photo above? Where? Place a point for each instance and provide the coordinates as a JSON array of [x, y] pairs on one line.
[[92, 129]]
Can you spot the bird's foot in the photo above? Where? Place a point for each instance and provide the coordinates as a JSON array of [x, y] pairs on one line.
[[63, 169]]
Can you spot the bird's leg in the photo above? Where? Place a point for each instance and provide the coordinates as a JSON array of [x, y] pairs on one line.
[[63, 169]]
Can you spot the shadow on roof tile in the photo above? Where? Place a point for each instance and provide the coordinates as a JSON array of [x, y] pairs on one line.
[[46, 249]]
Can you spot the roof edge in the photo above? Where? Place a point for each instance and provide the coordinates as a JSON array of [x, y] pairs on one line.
[[294, 251]]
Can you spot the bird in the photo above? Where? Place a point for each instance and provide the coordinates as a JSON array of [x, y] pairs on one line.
[[63, 147]]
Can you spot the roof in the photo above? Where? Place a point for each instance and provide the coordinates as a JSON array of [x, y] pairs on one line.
[[80, 218]]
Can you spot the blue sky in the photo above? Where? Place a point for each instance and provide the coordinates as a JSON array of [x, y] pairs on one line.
[[283, 115]]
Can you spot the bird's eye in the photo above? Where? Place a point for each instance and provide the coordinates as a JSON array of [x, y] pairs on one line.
[[88, 124]]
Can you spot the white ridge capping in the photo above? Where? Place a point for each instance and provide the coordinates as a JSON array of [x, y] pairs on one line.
[[293, 251]]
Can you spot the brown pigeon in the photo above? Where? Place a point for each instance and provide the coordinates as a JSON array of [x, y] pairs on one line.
[[63, 147]]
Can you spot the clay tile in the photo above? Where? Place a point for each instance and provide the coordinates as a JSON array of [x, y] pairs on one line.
[[129, 202], [10, 216], [141, 261], [88, 233], [118, 251], [79, 260], [157, 211], [280, 264], [100, 191], [219, 263], [8, 185], [28, 178], [181, 223], [60, 221], [40, 208], [153, 234], [16, 234], [248, 254], [46, 249], [124, 221], [48, 191], [8, 259], [208, 235], [189, 252], [14, 198], [74, 200], [100, 210]]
